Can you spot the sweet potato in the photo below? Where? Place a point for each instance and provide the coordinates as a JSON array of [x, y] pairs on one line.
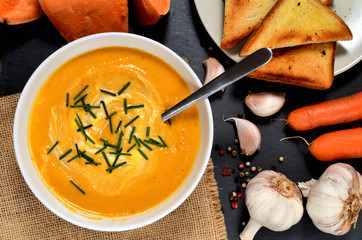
[[14, 12], [78, 18], [149, 12]]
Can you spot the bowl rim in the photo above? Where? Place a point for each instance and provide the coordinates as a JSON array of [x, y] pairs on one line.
[[18, 122]]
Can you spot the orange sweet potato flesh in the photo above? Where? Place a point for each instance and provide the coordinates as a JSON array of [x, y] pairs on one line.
[[78, 18], [14, 12], [149, 12]]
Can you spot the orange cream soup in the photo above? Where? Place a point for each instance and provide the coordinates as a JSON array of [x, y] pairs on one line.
[[140, 184]]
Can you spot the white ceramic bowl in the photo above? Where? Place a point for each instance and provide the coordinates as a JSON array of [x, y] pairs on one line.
[[29, 171]]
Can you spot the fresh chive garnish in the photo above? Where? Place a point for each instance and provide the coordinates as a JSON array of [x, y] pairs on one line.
[[76, 185], [80, 99], [67, 101], [80, 92], [51, 149], [154, 142], [169, 121], [110, 145], [73, 158], [148, 131], [88, 106], [136, 106], [65, 154], [125, 105], [93, 163], [105, 158], [144, 144], [89, 126], [120, 153], [163, 142], [104, 140], [86, 157], [78, 152], [130, 122], [92, 114], [124, 88], [137, 141], [101, 150], [119, 141], [119, 125], [109, 118], [108, 92], [111, 115], [105, 108], [142, 153], [114, 162], [115, 166], [129, 149], [131, 134]]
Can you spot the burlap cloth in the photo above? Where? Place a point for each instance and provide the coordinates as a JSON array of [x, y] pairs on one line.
[[22, 216]]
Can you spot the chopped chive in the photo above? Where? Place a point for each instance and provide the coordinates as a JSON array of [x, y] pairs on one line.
[[136, 106], [75, 185], [129, 149], [105, 108], [144, 144], [148, 131], [110, 145], [92, 114], [115, 166], [93, 163], [89, 126], [142, 153], [67, 102], [86, 157], [124, 88], [80, 92], [120, 153], [80, 99], [84, 106], [104, 140], [100, 150], [78, 152], [130, 122], [154, 142], [119, 141], [111, 115], [163, 142], [73, 158], [125, 105], [65, 154], [51, 149], [131, 134], [109, 118], [105, 158], [169, 121], [137, 141], [108, 92], [119, 125]]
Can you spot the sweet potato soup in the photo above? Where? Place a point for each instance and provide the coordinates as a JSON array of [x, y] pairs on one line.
[[97, 138]]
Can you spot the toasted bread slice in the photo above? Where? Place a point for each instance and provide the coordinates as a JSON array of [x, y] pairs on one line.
[[241, 18], [309, 66], [296, 22]]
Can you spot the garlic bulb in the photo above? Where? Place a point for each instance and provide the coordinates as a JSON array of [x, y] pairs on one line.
[[335, 200], [248, 134], [273, 201], [213, 69], [265, 104]]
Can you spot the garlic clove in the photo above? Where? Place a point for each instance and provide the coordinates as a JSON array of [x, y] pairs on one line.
[[273, 201], [213, 69], [248, 134], [265, 104]]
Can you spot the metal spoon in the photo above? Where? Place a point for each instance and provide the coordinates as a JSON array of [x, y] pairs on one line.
[[233, 74]]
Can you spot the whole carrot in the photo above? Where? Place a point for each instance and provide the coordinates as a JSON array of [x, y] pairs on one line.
[[343, 144], [341, 110]]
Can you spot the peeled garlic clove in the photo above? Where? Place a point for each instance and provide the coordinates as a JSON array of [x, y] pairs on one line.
[[273, 201], [213, 69], [265, 104], [334, 201], [248, 134]]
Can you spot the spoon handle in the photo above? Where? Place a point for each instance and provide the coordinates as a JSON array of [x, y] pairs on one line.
[[233, 74]]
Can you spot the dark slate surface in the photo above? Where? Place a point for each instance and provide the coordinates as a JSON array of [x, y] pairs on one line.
[[26, 46]]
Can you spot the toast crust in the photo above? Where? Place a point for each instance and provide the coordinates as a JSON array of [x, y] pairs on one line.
[[309, 66], [297, 22]]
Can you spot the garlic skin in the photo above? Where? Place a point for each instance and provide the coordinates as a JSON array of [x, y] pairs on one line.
[[248, 134], [335, 200], [213, 69], [273, 201], [265, 104]]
